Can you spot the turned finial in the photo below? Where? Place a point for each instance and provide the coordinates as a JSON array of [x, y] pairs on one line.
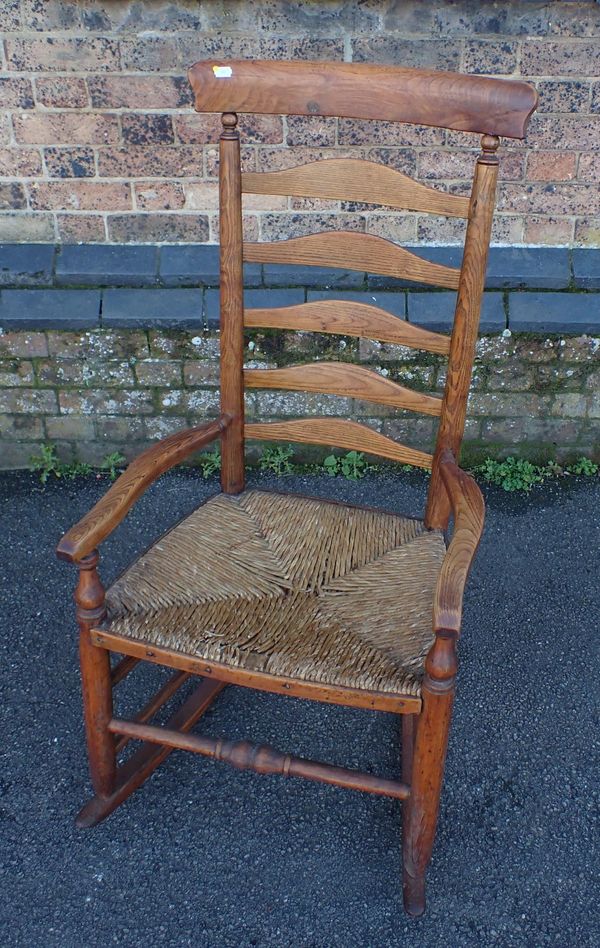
[[229, 123], [489, 147]]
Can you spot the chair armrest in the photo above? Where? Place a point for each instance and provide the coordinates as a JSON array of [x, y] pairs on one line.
[[469, 512], [110, 510]]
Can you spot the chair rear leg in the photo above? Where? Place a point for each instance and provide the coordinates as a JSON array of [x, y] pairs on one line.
[[95, 679], [431, 741]]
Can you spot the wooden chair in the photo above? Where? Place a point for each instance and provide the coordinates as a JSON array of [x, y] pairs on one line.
[[290, 594]]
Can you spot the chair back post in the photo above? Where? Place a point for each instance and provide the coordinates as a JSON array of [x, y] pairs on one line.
[[466, 325], [232, 305]]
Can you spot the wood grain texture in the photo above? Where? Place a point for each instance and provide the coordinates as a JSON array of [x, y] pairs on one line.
[[102, 519], [340, 378], [277, 684], [354, 179], [469, 513], [262, 759], [464, 333], [232, 307], [360, 90], [348, 318], [342, 434], [96, 681], [132, 774], [348, 250]]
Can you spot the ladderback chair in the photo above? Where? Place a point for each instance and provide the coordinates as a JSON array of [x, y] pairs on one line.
[[291, 594]]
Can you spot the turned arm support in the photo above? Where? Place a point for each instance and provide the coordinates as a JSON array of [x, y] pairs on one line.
[[141, 473], [469, 512]]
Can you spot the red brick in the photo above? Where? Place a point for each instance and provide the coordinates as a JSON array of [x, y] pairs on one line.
[[401, 228], [17, 227], [358, 132], [141, 129], [140, 92], [14, 373], [555, 199], [568, 58], [24, 401], [206, 128], [588, 167], [313, 130], [551, 166], [64, 162], [48, 15], [425, 53], [211, 159], [105, 402], [20, 163], [12, 197], [249, 45], [62, 54], [66, 128], [277, 226], [495, 57], [81, 195], [99, 343], [460, 165], [61, 92], [10, 16], [81, 228], [587, 231], [564, 95], [548, 230], [23, 344], [565, 132], [150, 54], [151, 228], [155, 161], [315, 48], [250, 230], [16, 93], [159, 196]]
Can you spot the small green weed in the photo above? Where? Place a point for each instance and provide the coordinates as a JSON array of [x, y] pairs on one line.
[[47, 463], [113, 464], [210, 462], [512, 474], [351, 465], [76, 469], [277, 460], [583, 466]]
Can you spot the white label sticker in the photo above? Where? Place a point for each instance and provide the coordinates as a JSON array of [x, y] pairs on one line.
[[222, 72]]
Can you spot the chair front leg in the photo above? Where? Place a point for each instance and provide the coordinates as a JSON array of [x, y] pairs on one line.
[[431, 741], [95, 678]]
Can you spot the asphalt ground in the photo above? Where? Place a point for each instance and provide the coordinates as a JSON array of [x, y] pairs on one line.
[[205, 855]]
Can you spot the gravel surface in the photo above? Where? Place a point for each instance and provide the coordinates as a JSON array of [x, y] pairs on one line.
[[204, 855]]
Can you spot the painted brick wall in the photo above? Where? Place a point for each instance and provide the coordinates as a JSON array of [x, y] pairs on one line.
[[98, 142]]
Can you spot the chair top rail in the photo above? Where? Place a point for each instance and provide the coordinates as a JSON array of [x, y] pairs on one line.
[[355, 179], [348, 318], [360, 90]]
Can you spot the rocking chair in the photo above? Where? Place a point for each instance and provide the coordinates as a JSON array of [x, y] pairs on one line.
[[286, 593]]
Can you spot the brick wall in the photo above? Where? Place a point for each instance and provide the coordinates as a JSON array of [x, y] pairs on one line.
[[98, 142], [99, 368]]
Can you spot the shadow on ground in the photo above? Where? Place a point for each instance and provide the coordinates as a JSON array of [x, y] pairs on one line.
[[204, 855]]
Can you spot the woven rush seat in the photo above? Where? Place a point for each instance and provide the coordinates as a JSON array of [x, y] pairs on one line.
[[290, 586]]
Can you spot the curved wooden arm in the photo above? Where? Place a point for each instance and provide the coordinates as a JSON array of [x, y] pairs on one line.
[[143, 471], [469, 512]]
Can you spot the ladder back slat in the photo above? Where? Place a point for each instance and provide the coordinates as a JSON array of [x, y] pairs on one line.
[[348, 250], [340, 378], [342, 434], [348, 318], [353, 179]]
